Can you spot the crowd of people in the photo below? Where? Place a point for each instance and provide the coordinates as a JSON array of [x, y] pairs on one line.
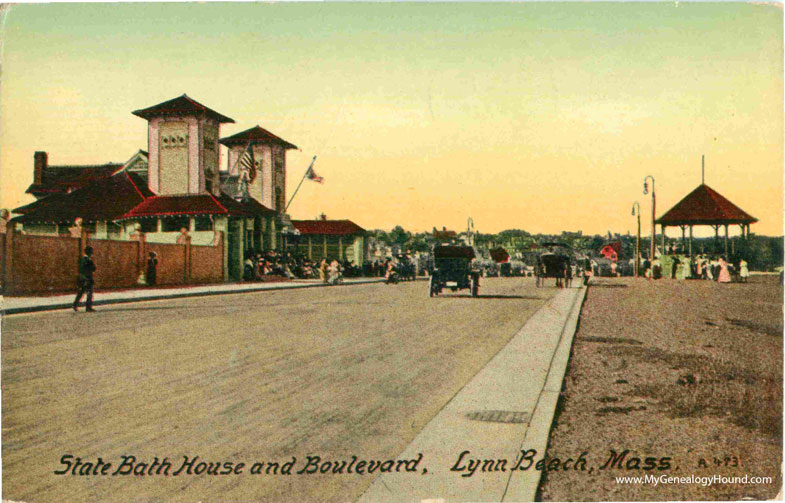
[[708, 268], [711, 268], [259, 265]]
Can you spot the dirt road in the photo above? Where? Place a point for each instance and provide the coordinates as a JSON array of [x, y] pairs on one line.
[[339, 372]]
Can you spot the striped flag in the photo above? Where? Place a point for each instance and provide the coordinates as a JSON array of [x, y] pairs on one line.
[[248, 163], [311, 175]]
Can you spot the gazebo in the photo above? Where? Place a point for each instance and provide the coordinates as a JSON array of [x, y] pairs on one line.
[[705, 206]]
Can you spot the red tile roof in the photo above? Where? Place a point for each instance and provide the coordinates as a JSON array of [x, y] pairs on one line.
[[256, 134], [705, 206], [182, 105], [62, 179], [254, 207], [327, 227], [194, 204], [105, 199], [444, 235]]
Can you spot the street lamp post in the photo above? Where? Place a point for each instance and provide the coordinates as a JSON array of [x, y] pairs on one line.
[[638, 238], [653, 209]]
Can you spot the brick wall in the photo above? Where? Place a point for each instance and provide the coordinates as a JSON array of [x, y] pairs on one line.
[[115, 263], [41, 264], [49, 264], [207, 264]]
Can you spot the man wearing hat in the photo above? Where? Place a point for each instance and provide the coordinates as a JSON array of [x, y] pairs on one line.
[[84, 281]]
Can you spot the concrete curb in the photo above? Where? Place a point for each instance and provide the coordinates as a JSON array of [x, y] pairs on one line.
[[523, 485], [507, 406], [179, 295]]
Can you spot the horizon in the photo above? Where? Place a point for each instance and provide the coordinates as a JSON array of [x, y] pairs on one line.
[[535, 116]]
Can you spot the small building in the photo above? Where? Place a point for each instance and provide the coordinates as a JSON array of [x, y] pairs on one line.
[[611, 251], [330, 239], [444, 235]]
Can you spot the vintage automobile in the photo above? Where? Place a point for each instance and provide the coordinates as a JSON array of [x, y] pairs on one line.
[[452, 268], [554, 262]]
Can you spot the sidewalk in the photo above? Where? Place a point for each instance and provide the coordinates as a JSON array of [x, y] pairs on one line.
[[508, 406], [15, 305]]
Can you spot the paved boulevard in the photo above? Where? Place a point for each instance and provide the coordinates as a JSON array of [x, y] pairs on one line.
[[356, 370]]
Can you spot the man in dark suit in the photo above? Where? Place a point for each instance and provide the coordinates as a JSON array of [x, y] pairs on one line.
[[84, 280]]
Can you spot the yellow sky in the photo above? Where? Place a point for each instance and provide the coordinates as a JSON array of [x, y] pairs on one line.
[[539, 116]]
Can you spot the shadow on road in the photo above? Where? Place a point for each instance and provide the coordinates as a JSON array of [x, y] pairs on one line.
[[115, 309], [467, 296]]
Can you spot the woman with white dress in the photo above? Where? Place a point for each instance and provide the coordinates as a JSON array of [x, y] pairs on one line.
[[744, 271]]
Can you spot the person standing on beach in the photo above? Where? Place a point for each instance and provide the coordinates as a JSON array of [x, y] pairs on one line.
[[84, 280], [724, 276], [744, 270]]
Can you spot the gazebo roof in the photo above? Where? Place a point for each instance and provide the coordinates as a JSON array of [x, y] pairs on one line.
[[705, 206]]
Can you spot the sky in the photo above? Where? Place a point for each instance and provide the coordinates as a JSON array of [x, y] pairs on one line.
[[538, 116]]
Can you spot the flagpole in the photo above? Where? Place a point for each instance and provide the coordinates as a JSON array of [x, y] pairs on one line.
[[301, 182], [239, 158]]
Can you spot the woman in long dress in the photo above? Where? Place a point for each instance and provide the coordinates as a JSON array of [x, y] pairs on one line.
[[323, 268], [687, 264], [724, 276]]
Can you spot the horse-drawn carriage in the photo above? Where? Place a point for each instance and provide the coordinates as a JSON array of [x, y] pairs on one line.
[[554, 262], [406, 268], [452, 268]]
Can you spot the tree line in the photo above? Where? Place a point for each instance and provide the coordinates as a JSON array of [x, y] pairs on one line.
[[764, 253]]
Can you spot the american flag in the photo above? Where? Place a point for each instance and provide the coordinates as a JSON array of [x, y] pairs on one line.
[[311, 175], [248, 163]]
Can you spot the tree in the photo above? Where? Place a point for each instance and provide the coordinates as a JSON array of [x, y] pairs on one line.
[[399, 236]]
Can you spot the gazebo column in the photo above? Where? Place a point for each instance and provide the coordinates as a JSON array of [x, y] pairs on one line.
[[726, 242], [690, 240], [716, 237], [662, 229], [683, 237]]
